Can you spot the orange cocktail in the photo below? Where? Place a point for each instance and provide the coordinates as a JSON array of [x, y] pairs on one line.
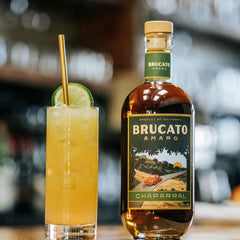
[[71, 165]]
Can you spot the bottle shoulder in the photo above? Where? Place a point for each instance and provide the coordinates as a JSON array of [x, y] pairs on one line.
[[156, 95]]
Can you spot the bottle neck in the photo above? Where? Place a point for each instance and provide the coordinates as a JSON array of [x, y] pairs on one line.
[[158, 51]]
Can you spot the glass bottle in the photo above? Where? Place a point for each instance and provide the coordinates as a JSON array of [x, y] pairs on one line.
[[157, 200]]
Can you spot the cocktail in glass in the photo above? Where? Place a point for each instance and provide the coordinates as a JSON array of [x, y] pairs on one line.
[[71, 172]]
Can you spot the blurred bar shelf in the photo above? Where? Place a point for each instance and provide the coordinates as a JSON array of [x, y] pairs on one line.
[[217, 18], [35, 78]]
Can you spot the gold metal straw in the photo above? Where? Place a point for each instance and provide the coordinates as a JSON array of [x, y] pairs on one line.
[[63, 61]]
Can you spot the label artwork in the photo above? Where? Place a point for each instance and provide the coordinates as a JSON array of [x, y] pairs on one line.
[[157, 64], [159, 161]]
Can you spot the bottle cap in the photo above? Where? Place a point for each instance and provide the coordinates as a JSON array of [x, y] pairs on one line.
[[158, 27]]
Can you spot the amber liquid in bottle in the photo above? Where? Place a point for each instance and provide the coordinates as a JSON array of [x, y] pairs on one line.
[[167, 223], [153, 97]]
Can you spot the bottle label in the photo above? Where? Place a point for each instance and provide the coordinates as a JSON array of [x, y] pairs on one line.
[[160, 161], [157, 64]]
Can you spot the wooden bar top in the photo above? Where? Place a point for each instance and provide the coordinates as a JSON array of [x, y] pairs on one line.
[[197, 232]]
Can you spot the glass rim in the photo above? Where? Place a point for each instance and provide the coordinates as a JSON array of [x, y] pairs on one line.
[[73, 107]]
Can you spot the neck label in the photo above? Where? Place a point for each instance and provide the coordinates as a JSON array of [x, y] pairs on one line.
[[157, 65]]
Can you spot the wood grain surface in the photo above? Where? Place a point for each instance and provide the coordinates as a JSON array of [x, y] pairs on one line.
[[197, 232]]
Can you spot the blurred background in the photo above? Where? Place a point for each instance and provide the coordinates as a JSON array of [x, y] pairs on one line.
[[105, 51]]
